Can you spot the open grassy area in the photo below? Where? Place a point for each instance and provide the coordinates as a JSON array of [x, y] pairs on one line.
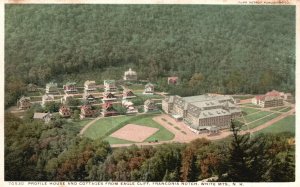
[[148, 96], [249, 110], [113, 140], [260, 122], [252, 117], [102, 126], [106, 126], [287, 124]]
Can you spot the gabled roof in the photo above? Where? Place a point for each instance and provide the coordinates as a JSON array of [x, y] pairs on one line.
[[128, 93], [273, 93], [149, 85], [107, 105], [108, 94], [38, 115], [64, 108], [88, 82]]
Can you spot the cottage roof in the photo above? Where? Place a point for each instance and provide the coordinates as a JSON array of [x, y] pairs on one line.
[[130, 72], [149, 85], [38, 115], [108, 94], [88, 83], [128, 93], [64, 108], [106, 105], [273, 93]]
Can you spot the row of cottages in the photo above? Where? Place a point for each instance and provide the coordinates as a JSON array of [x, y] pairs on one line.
[[130, 75], [110, 86], [149, 89], [70, 87], [272, 99], [202, 112]]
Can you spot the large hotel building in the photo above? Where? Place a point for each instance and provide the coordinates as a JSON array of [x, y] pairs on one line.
[[202, 112]]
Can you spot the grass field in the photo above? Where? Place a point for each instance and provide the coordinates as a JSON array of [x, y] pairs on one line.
[[102, 127], [287, 124], [249, 110], [260, 122], [252, 117]]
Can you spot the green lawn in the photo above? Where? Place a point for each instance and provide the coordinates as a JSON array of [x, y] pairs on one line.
[[113, 140], [252, 117], [260, 122], [102, 126], [106, 126], [249, 110], [287, 124]]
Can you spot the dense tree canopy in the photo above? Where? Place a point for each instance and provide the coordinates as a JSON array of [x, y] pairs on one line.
[[225, 49]]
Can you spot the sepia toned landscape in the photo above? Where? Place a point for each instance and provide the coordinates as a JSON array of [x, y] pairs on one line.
[[149, 93]]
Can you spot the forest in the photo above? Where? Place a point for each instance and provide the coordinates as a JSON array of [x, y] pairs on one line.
[[211, 48], [49, 152]]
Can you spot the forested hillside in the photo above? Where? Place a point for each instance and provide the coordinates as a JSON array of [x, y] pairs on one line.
[[224, 49]]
